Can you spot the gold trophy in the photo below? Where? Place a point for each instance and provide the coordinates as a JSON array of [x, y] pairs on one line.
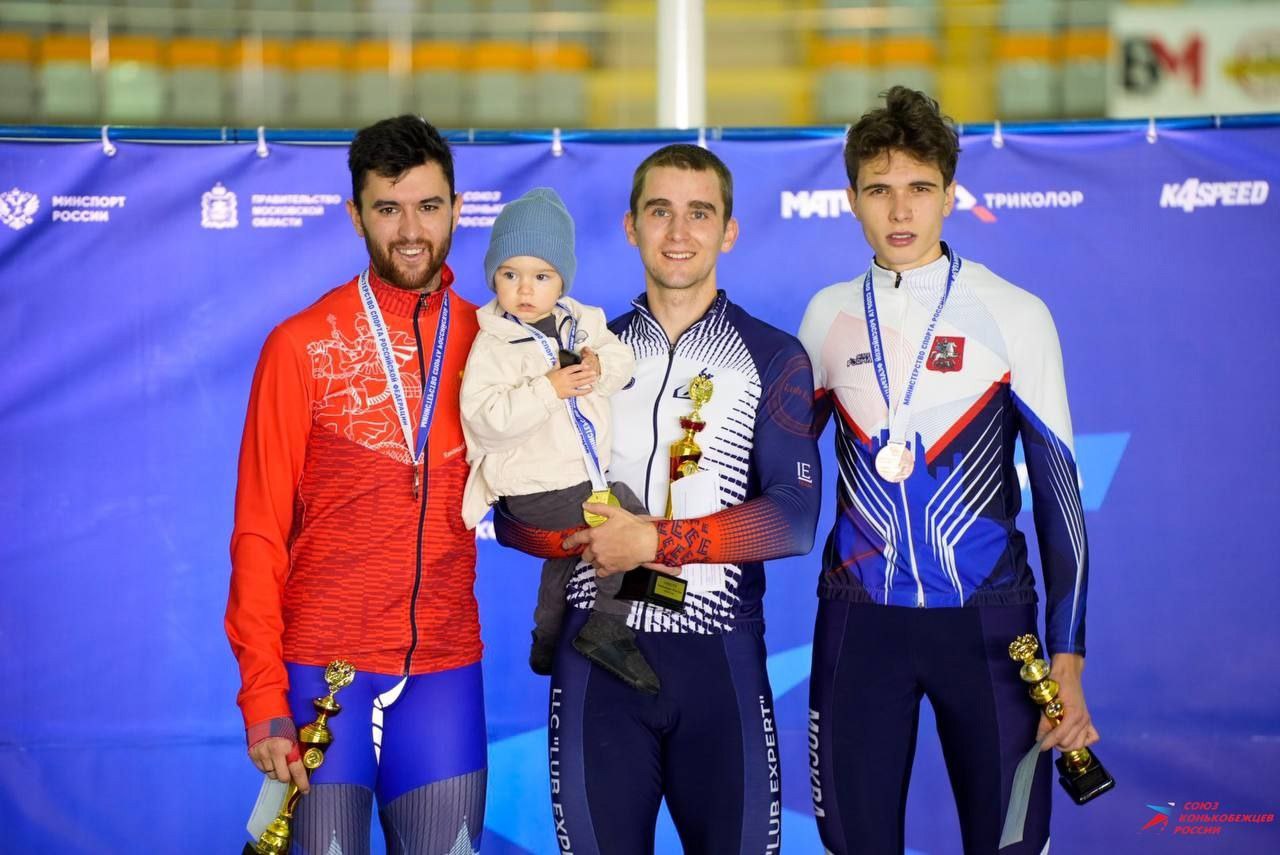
[[314, 740], [652, 586], [685, 451], [1079, 772]]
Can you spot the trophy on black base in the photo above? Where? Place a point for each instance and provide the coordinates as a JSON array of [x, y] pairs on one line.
[[1079, 772], [652, 586], [314, 740]]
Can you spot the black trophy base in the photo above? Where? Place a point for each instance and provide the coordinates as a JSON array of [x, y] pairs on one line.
[[249, 850], [1087, 785], [649, 586]]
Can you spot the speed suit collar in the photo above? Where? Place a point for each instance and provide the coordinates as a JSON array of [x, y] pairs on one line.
[[710, 318], [933, 272]]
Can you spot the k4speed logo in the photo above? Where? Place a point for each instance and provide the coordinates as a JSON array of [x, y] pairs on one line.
[[1194, 193]]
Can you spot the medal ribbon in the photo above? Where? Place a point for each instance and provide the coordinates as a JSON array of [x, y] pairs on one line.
[[395, 385], [901, 418], [586, 430]]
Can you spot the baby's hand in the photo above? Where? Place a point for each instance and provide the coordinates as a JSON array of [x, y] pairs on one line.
[[573, 381], [591, 359]]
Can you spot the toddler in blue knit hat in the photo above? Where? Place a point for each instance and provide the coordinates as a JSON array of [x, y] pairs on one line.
[[535, 411]]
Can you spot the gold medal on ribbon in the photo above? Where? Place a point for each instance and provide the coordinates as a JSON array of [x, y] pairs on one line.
[[600, 497]]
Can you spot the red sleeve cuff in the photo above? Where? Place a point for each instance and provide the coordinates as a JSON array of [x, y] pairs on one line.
[[281, 727]]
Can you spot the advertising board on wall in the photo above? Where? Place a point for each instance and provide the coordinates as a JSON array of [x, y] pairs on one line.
[[1194, 60]]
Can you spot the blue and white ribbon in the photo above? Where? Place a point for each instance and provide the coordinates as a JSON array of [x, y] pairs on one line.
[[900, 419], [586, 430], [431, 383]]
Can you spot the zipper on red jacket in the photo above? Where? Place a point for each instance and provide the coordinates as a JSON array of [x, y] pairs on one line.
[[422, 507]]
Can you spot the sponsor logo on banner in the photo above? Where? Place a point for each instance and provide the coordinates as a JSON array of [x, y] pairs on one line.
[[1200, 818], [966, 201], [18, 208], [218, 209], [480, 208], [827, 204], [946, 354], [1182, 62], [1034, 199], [84, 209], [1015, 199], [289, 210], [804, 204], [1194, 193]]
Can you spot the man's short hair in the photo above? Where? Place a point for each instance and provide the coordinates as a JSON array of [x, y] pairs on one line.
[[392, 147], [909, 121], [689, 157]]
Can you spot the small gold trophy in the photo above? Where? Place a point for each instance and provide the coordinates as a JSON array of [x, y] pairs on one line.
[[652, 586], [1079, 772], [314, 739], [685, 451]]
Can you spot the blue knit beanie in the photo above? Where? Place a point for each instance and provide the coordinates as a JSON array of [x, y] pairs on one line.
[[536, 224]]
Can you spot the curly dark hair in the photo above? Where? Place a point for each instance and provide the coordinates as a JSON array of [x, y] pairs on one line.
[[392, 147], [688, 157], [909, 121]]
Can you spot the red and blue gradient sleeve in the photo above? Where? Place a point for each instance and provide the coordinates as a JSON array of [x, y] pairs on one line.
[[785, 482], [538, 542]]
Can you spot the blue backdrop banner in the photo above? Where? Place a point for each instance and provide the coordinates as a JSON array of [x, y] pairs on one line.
[[137, 289]]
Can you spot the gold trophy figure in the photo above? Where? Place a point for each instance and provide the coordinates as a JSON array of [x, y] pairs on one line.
[[686, 454], [652, 586], [314, 740], [1080, 772]]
